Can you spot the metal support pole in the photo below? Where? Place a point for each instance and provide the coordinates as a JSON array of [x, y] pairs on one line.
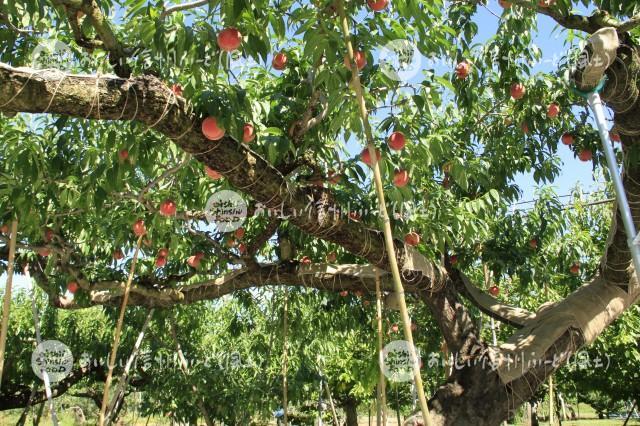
[[623, 204]]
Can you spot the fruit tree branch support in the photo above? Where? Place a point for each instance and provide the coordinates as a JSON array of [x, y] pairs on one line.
[[382, 392], [633, 239], [36, 325], [388, 234], [7, 295], [118, 331]]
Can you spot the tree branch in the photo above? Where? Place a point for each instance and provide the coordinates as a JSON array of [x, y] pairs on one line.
[[5, 20], [185, 6], [319, 276], [514, 316], [109, 41], [147, 100], [589, 24], [17, 398], [629, 24]]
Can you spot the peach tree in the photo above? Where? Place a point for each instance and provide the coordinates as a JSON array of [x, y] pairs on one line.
[[117, 113]]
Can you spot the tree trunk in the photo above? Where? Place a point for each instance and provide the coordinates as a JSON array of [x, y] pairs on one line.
[[351, 411]]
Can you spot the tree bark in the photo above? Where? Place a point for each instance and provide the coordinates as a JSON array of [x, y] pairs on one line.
[[351, 411]]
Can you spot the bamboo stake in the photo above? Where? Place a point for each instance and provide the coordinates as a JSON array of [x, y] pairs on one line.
[[333, 407], [551, 402], [382, 392], [285, 360], [36, 325], [184, 366], [6, 307], [116, 337], [124, 378], [388, 234]]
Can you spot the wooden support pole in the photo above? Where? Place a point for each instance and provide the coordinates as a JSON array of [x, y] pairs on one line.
[[36, 324], [118, 331], [333, 407], [6, 307], [388, 233], [551, 401], [382, 391]]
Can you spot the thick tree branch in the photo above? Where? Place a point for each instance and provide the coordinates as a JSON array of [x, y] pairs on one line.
[[513, 316], [261, 239], [148, 101], [629, 24], [319, 276], [588, 24]]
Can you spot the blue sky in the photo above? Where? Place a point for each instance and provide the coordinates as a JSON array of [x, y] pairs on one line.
[[550, 39]]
